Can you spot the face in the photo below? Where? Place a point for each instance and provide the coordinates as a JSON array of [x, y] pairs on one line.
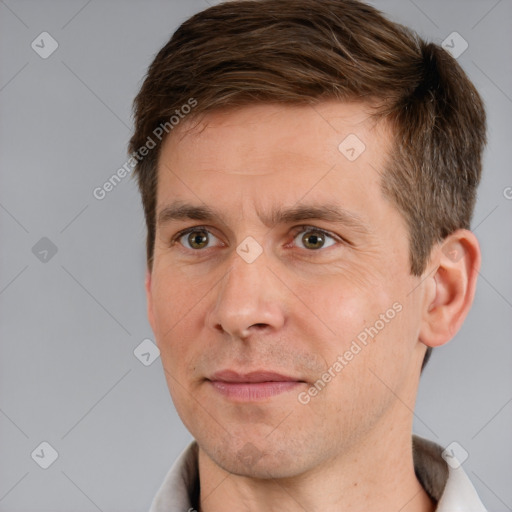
[[280, 294]]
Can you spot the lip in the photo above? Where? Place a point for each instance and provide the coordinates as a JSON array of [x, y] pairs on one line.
[[232, 376], [252, 386]]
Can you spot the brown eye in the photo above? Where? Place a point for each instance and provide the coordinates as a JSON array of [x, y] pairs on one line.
[[313, 239], [196, 239]]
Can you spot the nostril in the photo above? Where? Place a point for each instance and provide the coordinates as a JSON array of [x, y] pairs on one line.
[[259, 326]]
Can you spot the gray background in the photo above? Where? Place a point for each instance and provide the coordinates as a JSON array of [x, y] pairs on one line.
[[69, 325]]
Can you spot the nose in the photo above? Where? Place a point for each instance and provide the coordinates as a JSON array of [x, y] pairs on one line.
[[249, 300]]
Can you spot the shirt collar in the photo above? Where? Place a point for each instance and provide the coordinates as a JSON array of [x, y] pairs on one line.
[[447, 485]]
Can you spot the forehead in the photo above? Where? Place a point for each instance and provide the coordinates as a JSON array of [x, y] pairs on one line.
[[243, 140], [260, 156]]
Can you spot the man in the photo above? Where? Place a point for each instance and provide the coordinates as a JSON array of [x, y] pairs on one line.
[[308, 172]]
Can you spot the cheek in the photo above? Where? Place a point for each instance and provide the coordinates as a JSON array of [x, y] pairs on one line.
[[173, 311], [344, 305], [368, 326], [376, 344], [174, 294]]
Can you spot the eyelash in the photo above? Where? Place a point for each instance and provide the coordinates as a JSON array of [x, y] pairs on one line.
[[295, 231]]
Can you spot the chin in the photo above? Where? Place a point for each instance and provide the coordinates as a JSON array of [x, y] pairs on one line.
[[251, 459], [252, 463]]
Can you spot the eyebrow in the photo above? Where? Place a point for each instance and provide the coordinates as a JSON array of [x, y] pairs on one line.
[[179, 210]]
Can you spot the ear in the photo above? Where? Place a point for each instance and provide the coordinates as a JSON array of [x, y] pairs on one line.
[[149, 299], [450, 289]]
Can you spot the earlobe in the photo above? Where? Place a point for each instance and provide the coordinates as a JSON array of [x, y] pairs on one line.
[[450, 290]]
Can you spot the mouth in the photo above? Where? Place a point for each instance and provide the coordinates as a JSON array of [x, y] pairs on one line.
[[253, 386]]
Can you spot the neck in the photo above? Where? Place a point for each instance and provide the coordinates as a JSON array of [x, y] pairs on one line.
[[378, 474]]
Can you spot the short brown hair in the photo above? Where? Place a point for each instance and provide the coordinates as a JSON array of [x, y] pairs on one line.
[[304, 51]]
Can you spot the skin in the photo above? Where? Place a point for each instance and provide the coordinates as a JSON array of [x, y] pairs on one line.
[[295, 309]]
